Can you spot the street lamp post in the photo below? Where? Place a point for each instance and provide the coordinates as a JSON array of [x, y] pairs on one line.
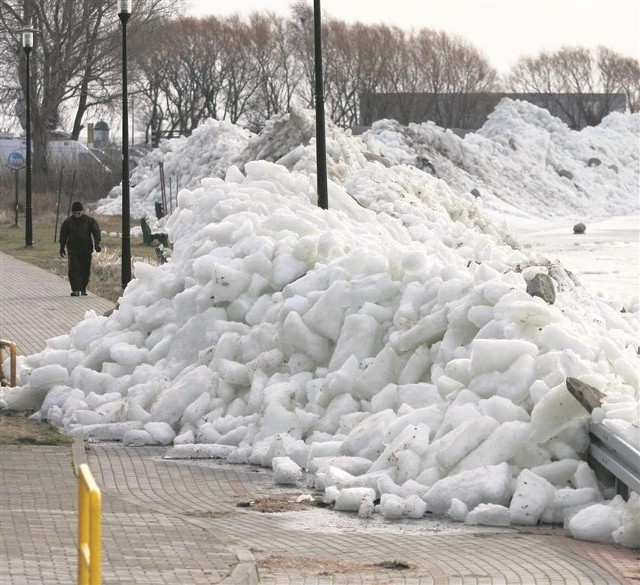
[[124, 12], [27, 45], [321, 143]]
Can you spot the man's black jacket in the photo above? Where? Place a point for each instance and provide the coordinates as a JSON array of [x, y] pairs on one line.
[[76, 234]]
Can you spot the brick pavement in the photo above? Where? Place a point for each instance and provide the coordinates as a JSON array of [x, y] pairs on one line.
[[35, 305], [179, 522]]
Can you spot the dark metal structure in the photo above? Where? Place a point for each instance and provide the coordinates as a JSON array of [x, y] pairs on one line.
[[27, 45], [124, 12], [321, 142]]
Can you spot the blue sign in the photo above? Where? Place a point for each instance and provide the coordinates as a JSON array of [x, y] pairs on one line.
[[15, 160]]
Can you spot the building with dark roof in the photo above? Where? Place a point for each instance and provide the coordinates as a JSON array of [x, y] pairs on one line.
[[467, 112]]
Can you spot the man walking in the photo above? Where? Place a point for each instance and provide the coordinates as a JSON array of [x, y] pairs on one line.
[[80, 234]]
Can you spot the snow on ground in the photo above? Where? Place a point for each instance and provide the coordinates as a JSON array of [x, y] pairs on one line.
[[391, 346]]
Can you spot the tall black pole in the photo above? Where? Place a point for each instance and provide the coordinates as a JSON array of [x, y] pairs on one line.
[[126, 227], [321, 145], [28, 234]]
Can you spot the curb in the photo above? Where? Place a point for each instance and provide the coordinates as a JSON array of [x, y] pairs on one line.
[[245, 571]]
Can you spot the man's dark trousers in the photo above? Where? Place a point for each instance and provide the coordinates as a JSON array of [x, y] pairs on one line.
[[79, 270]]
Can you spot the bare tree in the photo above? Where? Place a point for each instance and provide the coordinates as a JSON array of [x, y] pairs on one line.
[[579, 73], [75, 61], [620, 74], [278, 73], [449, 68], [356, 65]]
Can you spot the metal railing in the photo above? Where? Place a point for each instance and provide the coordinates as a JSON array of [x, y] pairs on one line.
[[12, 360], [607, 450], [89, 528], [616, 456]]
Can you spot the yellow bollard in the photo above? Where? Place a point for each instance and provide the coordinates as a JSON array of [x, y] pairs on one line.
[[89, 528]]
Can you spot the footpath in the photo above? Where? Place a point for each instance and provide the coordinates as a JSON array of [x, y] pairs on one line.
[[192, 522]]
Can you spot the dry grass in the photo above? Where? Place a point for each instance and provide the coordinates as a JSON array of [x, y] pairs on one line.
[[106, 271], [17, 429]]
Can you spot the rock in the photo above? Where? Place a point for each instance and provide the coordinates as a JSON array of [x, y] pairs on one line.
[[594, 162], [585, 394], [541, 285], [579, 228], [565, 173], [475, 192], [424, 164]]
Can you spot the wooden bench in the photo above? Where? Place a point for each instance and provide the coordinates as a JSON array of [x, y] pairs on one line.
[[148, 237]]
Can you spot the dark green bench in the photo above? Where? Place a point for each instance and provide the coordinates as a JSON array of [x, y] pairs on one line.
[[148, 237]]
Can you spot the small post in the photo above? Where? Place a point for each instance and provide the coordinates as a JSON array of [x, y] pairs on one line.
[[16, 172], [89, 528]]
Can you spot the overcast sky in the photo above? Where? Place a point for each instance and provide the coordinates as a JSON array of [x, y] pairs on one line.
[[503, 30]]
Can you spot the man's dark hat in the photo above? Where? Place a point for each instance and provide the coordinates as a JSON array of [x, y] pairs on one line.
[[77, 206]]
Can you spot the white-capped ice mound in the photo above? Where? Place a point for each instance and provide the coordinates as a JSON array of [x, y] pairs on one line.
[[388, 345]]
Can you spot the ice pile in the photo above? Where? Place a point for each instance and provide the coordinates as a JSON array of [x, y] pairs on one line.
[[387, 346], [523, 161], [208, 152]]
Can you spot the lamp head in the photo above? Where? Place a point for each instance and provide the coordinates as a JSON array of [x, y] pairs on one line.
[[27, 40], [124, 7]]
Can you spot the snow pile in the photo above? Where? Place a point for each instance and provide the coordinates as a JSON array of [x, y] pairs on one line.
[[208, 152], [387, 346], [525, 161]]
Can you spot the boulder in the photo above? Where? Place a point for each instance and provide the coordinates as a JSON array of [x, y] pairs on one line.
[[541, 285]]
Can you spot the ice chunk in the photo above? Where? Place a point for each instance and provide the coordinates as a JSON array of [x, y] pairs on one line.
[[497, 355], [565, 499], [172, 402], [298, 335], [106, 431], [489, 515], [485, 485], [500, 446], [391, 506], [350, 499], [199, 451], [352, 465], [555, 411], [366, 440], [462, 440], [558, 473], [138, 438], [161, 432], [286, 471], [414, 506], [532, 496], [359, 337], [629, 533], [334, 476], [457, 510], [48, 376], [597, 522], [366, 506]]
